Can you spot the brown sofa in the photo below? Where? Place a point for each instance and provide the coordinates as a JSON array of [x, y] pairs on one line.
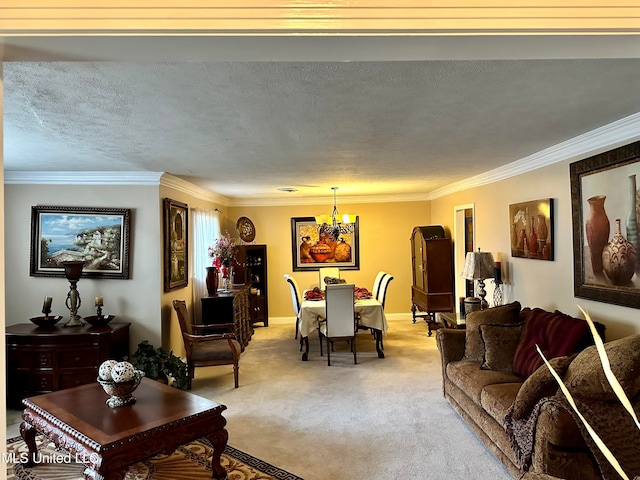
[[493, 378]]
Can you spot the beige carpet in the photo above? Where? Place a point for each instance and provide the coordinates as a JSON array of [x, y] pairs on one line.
[[380, 419], [190, 461]]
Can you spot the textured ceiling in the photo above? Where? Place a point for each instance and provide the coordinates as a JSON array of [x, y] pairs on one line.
[[246, 128]]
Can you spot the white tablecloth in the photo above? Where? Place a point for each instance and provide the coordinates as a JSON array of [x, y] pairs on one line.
[[370, 311]]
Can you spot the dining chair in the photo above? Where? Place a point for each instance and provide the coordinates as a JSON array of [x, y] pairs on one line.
[[380, 285], [340, 321], [379, 292], [324, 272], [207, 350], [295, 299]]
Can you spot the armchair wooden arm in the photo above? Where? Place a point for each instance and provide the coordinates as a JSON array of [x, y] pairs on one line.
[[202, 327], [207, 338]]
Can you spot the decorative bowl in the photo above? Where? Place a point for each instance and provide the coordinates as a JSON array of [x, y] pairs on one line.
[[120, 393], [46, 321], [96, 321]]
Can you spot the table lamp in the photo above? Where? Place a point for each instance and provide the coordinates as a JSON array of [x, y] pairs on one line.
[[479, 266]]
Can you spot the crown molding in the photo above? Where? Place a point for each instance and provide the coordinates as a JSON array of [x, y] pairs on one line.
[[81, 178], [612, 135], [171, 181]]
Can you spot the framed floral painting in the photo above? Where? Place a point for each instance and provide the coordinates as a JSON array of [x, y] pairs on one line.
[[314, 246], [176, 245], [606, 220]]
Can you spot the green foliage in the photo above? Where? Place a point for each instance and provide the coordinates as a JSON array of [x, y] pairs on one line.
[[158, 364]]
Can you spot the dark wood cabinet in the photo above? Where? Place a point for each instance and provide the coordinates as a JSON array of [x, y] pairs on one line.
[[231, 307], [432, 268], [46, 359], [251, 270]]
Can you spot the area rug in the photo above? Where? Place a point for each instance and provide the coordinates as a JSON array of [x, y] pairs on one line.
[[190, 461]]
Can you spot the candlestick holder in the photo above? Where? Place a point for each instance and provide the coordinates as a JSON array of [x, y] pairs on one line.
[[73, 272], [497, 294], [99, 311]]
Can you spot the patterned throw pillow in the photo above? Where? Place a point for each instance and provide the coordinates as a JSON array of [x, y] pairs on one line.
[[537, 386], [500, 343], [474, 347], [555, 333]]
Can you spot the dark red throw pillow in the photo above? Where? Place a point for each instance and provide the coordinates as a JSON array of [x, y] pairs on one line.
[[556, 334]]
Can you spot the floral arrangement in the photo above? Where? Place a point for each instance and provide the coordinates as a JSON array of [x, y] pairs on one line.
[[223, 252]]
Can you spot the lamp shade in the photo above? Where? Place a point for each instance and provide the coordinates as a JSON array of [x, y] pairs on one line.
[[478, 265]]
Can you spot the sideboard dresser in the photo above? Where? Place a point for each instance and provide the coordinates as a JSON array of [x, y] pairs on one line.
[[46, 359]]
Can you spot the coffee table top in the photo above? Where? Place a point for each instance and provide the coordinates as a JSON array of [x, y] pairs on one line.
[[83, 409]]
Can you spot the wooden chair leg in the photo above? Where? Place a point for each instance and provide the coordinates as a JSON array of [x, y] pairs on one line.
[[190, 375], [328, 353], [235, 373]]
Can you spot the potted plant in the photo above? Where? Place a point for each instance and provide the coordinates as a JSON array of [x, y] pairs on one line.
[[161, 365]]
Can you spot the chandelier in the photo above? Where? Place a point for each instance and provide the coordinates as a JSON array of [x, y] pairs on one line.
[[336, 223]]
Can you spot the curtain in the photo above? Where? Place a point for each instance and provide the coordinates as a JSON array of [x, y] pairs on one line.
[[206, 229]]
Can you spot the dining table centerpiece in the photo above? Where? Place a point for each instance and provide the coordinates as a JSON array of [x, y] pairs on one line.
[[224, 253]]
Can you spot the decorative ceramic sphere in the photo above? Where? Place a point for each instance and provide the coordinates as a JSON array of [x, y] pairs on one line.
[[123, 372], [104, 372]]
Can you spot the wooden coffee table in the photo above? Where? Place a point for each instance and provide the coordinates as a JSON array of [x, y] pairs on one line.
[[108, 440]]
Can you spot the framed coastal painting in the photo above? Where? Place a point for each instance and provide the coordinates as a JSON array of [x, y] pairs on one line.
[[176, 245], [98, 236], [531, 225], [606, 240], [314, 246]]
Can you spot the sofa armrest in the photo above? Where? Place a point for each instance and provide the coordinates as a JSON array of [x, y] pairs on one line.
[[560, 449], [450, 344]]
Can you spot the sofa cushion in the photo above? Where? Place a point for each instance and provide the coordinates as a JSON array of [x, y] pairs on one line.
[[538, 385], [555, 333], [500, 343], [469, 378], [497, 399], [474, 347], [585, 376]]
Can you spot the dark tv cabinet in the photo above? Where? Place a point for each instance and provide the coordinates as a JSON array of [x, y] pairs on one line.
[[251, 270]]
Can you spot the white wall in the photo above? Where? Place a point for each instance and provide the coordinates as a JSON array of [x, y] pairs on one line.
[[136, 300]]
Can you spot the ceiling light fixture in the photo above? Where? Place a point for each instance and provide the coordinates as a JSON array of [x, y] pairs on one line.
[[336, 223]]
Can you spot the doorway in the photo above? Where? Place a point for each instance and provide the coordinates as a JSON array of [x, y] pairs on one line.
[[463, 242]]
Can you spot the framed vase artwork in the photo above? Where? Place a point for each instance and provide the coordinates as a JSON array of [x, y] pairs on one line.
[[531, 229], [606, 240], [176, 245], [98, 236], [314, 246]]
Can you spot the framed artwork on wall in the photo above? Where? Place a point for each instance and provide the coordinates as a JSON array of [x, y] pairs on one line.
[[176, 245], [606, 242], [314, 246], [98, 236], [531, 225]]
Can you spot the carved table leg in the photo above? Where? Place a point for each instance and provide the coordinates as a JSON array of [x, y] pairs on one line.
[[219, 441], [413, 312], [28, 434]]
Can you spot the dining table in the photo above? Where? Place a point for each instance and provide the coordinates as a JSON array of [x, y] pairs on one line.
[[369, 311]]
